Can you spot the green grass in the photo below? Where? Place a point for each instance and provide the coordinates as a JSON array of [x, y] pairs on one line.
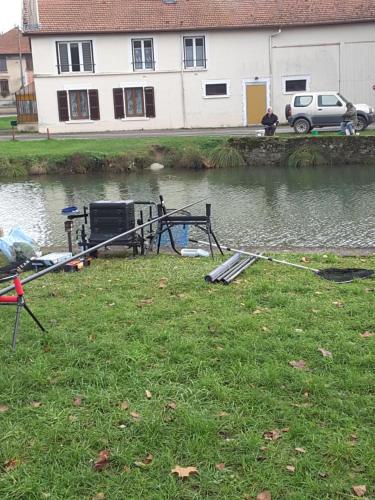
[[60, 148], [208, 349], [5, 122]]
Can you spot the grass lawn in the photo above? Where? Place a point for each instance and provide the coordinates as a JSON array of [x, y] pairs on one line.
[[5, 122], [216, 362]]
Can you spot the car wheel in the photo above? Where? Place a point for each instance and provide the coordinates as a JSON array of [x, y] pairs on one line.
[[361, 123], [301, 126]]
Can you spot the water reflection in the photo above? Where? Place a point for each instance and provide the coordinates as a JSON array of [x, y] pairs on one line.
[[258, 207]]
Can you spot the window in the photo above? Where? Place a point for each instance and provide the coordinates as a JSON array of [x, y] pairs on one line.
[[194, 52], [328, 101], [143, 54], [3, 64], [29, 62], [302, 101], [74, 57], [216, 89], [293, 84], [4, 88], [78, 105], [134, 102]]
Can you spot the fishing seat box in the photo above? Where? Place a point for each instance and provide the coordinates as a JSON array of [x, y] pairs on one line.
[[110, 218]]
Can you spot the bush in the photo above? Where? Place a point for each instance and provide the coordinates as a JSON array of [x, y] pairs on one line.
[[226, 156], [306, 157], [11, 169]]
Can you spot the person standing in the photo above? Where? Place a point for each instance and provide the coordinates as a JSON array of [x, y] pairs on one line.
[[349, 120], [270, 122]]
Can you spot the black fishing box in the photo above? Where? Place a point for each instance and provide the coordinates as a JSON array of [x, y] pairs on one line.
[[109, 219]]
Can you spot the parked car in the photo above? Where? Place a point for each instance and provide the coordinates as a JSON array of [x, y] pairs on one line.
[[309, 110]]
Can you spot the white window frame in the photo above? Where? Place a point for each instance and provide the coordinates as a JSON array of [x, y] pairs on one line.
[[194, 67], [285, 79], [142, 40], [81, 70], [215, 82]]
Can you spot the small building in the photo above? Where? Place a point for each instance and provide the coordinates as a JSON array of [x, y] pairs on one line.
[[16, 67], [170, 64]]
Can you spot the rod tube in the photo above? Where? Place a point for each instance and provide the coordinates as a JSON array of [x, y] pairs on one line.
[[264, 257], [214, 275], [233, 269], [96, 247], [247, 263]]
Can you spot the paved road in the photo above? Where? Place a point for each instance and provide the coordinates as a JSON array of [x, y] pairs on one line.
[[240, 131]]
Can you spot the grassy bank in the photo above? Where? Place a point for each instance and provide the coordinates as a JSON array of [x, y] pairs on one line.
[[222, 397], [5, 122]]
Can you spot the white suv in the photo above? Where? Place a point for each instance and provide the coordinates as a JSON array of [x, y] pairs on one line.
[[323, 109]]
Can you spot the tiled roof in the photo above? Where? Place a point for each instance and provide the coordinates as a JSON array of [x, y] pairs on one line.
[[9, 43], [105, 16]]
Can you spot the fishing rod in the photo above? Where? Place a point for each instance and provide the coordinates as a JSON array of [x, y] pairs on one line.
[[98, 246], [346, 275]]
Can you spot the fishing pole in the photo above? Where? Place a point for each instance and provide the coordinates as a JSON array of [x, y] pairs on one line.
[[98, 246], [346, 275]]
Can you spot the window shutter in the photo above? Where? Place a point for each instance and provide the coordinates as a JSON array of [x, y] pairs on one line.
[[63, 62], [62, 100], [150, 102], [94, 105], [87, 56], [118, 100]]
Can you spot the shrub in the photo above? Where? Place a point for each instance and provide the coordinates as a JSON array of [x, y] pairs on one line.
[[11, 169], [226, 156], [306, 157]]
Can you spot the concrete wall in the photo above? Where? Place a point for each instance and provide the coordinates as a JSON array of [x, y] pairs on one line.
[[13, 75], [331, 57]]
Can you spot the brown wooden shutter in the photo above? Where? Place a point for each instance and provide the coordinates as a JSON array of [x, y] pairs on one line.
[[118, 101], [94, 105], [150, 102], [62, 100]]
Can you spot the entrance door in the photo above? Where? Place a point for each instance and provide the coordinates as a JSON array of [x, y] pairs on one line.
[[256, 102]]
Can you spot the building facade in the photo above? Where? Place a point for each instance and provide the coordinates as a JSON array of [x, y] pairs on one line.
[[16, 68], [190, 63]]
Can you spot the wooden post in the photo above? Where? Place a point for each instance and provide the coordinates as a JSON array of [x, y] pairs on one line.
[[48, 136]]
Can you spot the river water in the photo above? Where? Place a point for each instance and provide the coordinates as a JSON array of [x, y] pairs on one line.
[[253, 207]]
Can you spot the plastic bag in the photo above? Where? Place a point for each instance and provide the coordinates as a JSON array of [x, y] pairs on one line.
[[17, 246]]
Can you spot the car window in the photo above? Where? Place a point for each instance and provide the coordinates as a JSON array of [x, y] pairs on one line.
[[328, 101], [301, 101]]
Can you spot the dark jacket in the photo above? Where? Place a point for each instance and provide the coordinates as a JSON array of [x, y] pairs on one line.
[[269, 120], [350, 114]]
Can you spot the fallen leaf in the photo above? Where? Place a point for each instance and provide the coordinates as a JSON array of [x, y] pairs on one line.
[[315, 311], [366, 335], [124, 405], [290, 468], [146, 302], [36, 404], [102, 460], [184, 472], [99, 496], [299, 365], [300, 450], [305, 259], [77, 401], [325, 353], [265, 329], [220, 467], [223, 414], [10, 464], [171, 406], [264, 495], [72, 418], [353, 439], [163, 282], [136, 416], [111, 305], [323, 475], [92, 338], [273, 435], [306, 395], [148, 459], [359, 490], [126, 469], [301, 405], [286, 429], [298, 330], [338, 303], [148, 394], [4, 408]]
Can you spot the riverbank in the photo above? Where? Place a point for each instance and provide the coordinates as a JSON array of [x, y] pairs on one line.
[[82, 156], [147, 362]]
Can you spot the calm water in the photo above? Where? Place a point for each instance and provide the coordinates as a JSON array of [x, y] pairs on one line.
[[328, 207]]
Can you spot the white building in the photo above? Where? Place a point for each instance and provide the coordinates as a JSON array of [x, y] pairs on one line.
[[168, 64]]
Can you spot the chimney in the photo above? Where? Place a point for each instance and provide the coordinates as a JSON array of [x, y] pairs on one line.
[[30, 15]]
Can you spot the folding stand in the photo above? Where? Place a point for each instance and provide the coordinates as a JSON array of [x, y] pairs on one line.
[[202, 222], [19, 301]]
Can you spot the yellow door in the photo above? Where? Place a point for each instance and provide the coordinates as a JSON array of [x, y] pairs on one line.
[[256, 102]]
